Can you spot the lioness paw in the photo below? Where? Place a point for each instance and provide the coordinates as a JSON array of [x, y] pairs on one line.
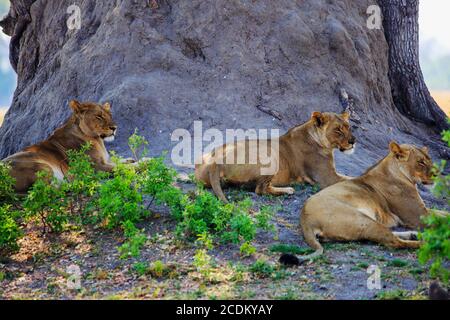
[[290, 190], [127, 161]]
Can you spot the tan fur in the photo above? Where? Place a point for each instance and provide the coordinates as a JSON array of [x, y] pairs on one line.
[[305, 155], [365, 208], [89, 122]]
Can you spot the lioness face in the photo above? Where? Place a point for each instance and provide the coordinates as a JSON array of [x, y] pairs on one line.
[[414, 161], [95, 120], [335, 130]]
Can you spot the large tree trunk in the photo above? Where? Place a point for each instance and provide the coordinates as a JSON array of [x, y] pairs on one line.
[[14, 25], [409, 91], [229, 63]]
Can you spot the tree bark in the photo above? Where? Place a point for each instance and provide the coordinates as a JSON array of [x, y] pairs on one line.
[[14, 24], [409, 91]]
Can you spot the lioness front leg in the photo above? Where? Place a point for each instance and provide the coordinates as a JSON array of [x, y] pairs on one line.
[[439, 213], [406, 235], [107, 167], [265, 187]]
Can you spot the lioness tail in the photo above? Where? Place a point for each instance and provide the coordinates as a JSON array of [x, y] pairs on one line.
[[214, 179], [311, 240]]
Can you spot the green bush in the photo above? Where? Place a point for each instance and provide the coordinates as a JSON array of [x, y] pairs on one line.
[[7, 183], [436, 234], [119, 198], [48, 202], [135, 241], [82, 179], [138, 145], [205, 213], [262, 269], [436, 245], [158, 180], [9, 230], [247, 249], [115, 200]]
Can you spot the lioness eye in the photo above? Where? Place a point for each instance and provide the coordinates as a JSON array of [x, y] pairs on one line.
[[99, 118]]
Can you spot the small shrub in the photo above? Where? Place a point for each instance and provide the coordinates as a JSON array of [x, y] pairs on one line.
[[242, 228], [158, 269], [140, 268], [436, 235], [138, 145], [135, 241], [436, 245], [119, 198], [9, 230], [82, 178], [81, 186], [264, 217], [47, 201], [7, 183], [247, 249], [202, 261], [205, 240], [262, 269]]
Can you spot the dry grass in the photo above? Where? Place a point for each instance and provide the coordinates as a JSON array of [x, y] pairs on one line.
[[443, 100]]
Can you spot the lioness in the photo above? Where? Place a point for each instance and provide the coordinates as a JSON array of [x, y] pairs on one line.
[[303, 154], [365, 208], [90, 122]]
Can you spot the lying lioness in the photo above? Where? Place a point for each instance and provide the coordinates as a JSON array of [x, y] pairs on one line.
[[303, 154], [365, 208], [89, 122]]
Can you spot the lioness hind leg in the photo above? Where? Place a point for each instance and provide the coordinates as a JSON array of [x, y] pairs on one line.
[[407, 235], [276, 191], [265, 187], [379, 233]]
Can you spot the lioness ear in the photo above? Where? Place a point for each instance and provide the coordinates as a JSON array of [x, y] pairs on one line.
[[107, 106], [425, 149], [75, 106], [318, 118], [346, 116], [398, 151]]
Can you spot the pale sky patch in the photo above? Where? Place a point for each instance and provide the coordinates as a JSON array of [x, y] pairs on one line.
[[434, 23]]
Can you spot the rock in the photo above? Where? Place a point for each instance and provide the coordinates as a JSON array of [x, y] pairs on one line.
[[436, 292]]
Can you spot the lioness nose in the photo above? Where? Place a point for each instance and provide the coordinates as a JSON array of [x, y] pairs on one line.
[[352, 140], [113, 128]]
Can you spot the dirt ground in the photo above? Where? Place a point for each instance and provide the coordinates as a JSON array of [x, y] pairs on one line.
[[42, 268]]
